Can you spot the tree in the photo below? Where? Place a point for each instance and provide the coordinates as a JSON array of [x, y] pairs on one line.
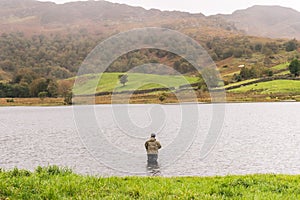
[[227, 53], [272, 46], [201, 84], [269, 73], [123, 79], [68, 98], [24, 76], [238, 52], [60, 73], [267, 51], [64, 88], [43, 95], [246, 73], [291, 45], [37, 86], [7, 65], [294, 67], [52, 88], [162, 97], [237, 77], [258, 47]]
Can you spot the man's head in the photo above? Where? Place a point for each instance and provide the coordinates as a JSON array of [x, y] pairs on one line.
[[153, 135]]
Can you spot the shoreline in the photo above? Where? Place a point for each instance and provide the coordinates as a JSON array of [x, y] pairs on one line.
[[51, 102], [61, 183]]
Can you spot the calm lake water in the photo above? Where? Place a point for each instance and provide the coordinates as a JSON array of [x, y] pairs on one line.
[[255, 138]]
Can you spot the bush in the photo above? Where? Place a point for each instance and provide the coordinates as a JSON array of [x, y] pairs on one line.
[[42, 95], [294, 67], [238, 53], [68, 98], [291, 45], [162, 97], [10, 100], [123, 79]]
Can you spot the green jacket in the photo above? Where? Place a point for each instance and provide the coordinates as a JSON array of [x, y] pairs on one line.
[[152, 146]]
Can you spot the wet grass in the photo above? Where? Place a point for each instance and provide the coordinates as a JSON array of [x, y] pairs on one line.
[[60, 183]]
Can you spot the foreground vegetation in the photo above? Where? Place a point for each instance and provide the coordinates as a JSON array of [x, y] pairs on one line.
[[59, 183]]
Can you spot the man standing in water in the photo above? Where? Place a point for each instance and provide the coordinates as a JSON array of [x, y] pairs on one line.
[[152, 146]]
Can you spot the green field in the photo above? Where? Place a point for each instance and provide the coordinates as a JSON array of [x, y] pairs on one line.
[[284, 73], [55, 183], [281, 66], [109, 82], [277, 86], [241, 82]]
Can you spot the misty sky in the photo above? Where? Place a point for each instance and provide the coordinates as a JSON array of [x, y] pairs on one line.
[[206, 7]]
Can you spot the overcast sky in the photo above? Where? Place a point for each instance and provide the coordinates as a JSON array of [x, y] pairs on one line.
[[207, 7]]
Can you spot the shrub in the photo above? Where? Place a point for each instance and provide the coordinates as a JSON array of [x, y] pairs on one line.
[[10, 100]]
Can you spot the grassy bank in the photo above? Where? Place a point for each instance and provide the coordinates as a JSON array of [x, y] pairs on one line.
[[153, 98], [31, 102], [55, 183]]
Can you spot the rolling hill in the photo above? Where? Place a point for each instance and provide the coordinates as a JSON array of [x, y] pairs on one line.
[[109, 82], [43, 42], [266, 21], [104, 18], [98, 18]]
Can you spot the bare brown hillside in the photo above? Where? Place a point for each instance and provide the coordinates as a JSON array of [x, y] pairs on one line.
[[100, 18], [266, 21]]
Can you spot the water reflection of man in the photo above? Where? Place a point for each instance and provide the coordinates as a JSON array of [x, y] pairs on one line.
[[152, 146]]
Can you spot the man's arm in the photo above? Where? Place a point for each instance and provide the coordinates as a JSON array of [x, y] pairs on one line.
[[146, 145], [158, 144]]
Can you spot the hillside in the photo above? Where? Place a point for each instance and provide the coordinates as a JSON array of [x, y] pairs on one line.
[[97, 18], [51, 40], [42, 43], [266, 21], [110, 83]]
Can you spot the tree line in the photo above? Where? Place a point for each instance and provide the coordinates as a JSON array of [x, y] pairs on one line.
[[223, 48]]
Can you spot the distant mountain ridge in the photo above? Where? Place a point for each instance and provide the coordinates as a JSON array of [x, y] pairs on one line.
[[106, 18], [100, 17], [266, 21]]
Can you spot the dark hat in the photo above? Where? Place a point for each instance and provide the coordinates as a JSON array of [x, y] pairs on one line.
[[153, 135]]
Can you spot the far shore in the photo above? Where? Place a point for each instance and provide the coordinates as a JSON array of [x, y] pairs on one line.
[[152, 98]]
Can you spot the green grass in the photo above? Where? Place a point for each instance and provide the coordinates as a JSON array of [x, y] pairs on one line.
[[136, 81], [281, 66], [277, 86], [284, 73], [55, 183], [241, 82], [231, 74]]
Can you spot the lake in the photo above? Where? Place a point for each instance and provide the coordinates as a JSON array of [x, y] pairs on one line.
[[109, 140]]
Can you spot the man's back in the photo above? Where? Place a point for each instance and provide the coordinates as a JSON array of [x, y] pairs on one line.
[[152, 146]]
